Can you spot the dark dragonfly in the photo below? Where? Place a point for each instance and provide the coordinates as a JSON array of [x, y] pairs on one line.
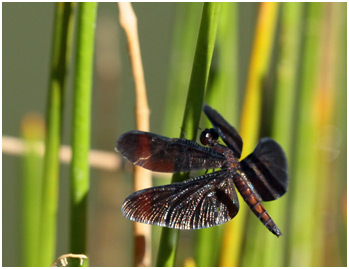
[[210, 199]]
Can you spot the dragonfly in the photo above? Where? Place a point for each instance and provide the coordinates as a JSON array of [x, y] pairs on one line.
[[209, 199]]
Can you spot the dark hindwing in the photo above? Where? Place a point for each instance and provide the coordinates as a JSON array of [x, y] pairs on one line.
[[162, 154], [196, 203], [266, 169], [227, 132]]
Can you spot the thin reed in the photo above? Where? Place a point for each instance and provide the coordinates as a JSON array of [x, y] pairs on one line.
[[60, 60], [194, 102], [81, 126]]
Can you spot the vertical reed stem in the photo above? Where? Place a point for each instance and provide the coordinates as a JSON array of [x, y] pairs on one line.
[[61, 52], [142, 177], [197, 87], [81, 126]]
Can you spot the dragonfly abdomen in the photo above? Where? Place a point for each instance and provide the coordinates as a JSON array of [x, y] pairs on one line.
[[255, 204]]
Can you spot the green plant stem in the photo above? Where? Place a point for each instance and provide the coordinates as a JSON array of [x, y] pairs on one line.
[[222, 95], [195, 97], [187, 22], [32, 164], [201, 69], [340, 166], [274, 250], [63, 30], [304, 201], [222, 92], [81, 125]]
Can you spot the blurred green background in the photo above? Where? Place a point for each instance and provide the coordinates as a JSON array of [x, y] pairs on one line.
[[312, 215]]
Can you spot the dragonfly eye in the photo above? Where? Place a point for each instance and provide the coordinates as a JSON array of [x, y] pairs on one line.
[[208, 136]]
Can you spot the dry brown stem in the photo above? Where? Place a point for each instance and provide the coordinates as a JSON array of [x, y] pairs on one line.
[[97, 158], [142, 177]]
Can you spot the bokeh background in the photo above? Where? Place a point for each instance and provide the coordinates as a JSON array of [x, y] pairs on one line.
[[316, 236]]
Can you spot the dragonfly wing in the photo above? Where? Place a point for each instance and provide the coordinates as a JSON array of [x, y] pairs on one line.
[[266, 169], [200, 202], [162, 154]]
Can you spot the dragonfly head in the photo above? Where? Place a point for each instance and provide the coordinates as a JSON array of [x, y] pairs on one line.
[[209, 136]]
